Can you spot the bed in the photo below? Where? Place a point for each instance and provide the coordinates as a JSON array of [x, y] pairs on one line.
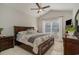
[[42, 47]]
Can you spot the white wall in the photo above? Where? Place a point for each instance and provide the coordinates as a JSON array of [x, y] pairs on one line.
[[20, 16], [10, 17]]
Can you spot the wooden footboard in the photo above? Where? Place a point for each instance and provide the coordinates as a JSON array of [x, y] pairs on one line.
[[42, 48], [45, 46]]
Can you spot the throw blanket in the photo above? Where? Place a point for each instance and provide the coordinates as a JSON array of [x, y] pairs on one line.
[[32, 38]]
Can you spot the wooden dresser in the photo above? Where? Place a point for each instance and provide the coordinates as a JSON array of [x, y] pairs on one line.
[[6, 42], [71, 46]]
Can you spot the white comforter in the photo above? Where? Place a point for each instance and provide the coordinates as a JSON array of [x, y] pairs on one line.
[[24, 39]]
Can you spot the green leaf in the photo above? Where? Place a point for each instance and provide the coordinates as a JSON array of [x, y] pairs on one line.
[[70, 29]]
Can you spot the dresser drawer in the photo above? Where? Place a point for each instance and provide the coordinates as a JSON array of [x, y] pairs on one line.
[[71, 46], [6, 47], [74, 41], [6, 40], [6, 43]]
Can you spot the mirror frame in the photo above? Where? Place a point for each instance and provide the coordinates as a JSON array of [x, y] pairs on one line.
[[76, 20], [76, 14]]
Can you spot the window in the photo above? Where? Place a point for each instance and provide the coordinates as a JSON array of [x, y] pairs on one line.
[[47, 27], [50, 26], [54, 25]]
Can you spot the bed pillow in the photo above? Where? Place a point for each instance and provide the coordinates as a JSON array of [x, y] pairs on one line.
[[31, 31], [22, 32]]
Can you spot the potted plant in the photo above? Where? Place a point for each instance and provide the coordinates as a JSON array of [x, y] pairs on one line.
[[70, 29], [1, 30]]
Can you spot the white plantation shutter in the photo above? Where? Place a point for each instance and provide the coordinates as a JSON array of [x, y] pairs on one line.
[[54, 25]]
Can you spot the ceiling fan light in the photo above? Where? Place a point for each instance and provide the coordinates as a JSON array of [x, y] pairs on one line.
[[40, 10]]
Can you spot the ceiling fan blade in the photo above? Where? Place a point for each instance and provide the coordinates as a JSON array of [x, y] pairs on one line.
[[45, 7], [38, 11], [38, 5], [34, 9]]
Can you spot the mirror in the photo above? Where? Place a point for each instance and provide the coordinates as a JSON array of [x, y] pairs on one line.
[[77, 24], [77, 21]]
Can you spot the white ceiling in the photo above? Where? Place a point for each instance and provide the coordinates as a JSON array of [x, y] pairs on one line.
[[26, 7]]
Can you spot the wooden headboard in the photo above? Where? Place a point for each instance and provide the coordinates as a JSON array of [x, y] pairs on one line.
[[20, 28]]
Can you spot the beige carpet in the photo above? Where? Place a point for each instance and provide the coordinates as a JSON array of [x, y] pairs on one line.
[[56, 49]]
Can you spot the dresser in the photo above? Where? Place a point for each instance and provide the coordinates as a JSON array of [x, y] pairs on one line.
[[6, 42], [71, 45]]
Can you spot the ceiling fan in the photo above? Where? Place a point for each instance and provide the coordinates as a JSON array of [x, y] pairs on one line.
[[40, 8]]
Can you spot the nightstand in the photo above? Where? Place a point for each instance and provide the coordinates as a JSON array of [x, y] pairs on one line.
[[6, 42], [71, 45]]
